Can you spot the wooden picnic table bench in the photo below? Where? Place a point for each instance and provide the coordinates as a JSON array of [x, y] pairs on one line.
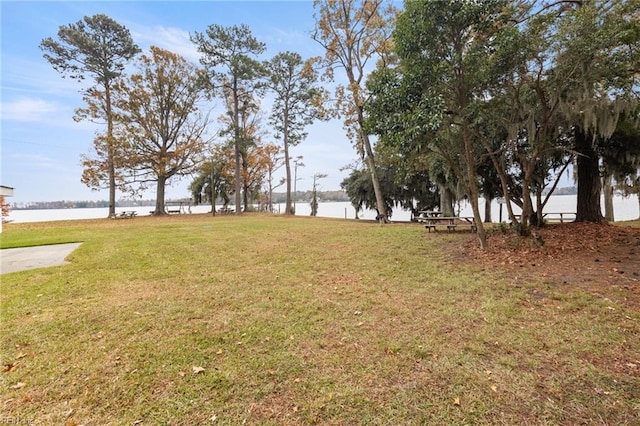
[[426, 215], [435, 220], [557, 217], [127, 214]]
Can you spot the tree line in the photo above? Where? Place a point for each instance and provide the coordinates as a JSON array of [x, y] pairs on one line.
[[155, 126], [442, 101], [498, 98]]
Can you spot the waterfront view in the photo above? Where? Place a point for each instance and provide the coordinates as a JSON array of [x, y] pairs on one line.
[[625, 208]]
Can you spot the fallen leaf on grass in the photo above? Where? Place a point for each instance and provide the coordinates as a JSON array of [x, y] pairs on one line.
[[456, 401], [197, 370], [18, 385], [7, 368]]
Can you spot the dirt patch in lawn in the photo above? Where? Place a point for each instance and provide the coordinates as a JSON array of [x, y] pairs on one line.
[[602, 259]]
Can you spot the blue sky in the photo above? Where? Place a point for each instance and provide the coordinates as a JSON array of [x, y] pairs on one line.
[[41, 144]]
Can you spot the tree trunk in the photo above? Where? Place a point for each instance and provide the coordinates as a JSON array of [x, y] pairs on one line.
[[111, 168], [504, 181], [446, 200], [539, 207], [160, 196], [236, 147], [607, 191], [588, 206], [368, 150], [212, 195], [245, 198], [473, 187], [380, 206], [287, 165], [112, 181], [487, 209]]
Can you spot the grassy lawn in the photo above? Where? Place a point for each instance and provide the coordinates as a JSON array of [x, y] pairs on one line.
[[265, 320]]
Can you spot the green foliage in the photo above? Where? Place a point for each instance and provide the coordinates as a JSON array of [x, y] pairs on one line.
[[505, 81], [96, 47], [299, 101], [359, 190], [228, 53], [229, 56], [214, 179]]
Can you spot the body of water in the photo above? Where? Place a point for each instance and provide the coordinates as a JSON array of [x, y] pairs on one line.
[[624, 209]]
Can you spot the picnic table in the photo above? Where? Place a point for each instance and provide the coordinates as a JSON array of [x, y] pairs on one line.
[[127, 214], [435, 219], [555, 217], [426, 215]]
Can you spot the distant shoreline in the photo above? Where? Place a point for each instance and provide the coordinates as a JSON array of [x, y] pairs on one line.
[[278, 198]]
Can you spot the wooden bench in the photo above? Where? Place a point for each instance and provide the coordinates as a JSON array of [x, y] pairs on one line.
[[560, 217], [557, 217]]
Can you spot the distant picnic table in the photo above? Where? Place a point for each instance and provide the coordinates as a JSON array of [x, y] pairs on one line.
[[434, 220], [555, 217], [127, 214]]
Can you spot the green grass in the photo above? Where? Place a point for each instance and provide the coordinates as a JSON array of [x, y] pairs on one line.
[[300, 321]]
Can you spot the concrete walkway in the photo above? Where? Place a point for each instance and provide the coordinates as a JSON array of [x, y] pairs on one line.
[[21, 259]]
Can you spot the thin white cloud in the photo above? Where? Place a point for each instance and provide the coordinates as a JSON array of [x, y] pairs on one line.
[[173, 39], [36, 76], [292, 40], [28, 109]]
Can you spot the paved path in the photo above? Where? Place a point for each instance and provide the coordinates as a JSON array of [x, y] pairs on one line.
[[21, 259]]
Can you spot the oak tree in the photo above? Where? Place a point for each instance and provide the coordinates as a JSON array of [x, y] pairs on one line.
[[164, 130], [600, 40]]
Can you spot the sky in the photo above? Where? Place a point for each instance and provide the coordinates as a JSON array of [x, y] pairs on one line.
[[41, 145]]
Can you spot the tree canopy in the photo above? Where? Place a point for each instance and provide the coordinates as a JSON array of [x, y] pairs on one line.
[[299, 100], [161, 125], [229, 54], [96, 47]]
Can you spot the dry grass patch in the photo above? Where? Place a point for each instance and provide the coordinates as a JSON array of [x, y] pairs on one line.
[[271, 320]]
